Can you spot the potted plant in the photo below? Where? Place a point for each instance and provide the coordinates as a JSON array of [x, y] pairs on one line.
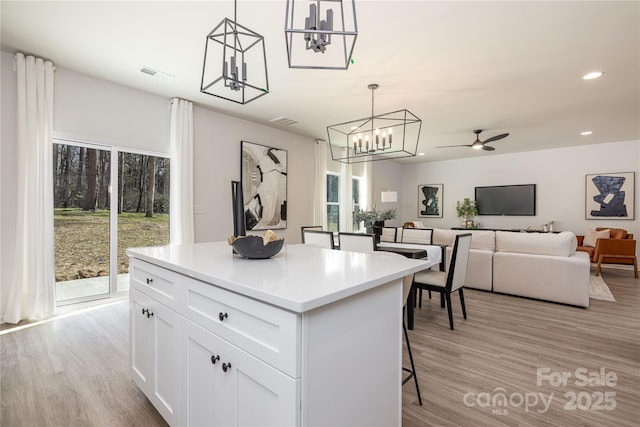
[[467, 209], [374, 219]]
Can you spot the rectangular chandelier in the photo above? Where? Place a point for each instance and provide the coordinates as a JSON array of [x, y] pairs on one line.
[[378, 137], [320, 34], [235, 63]]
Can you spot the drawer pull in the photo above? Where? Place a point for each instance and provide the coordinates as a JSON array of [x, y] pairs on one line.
[[226, 366], [149, 314], [144, 311], [214, 359], [149, 281], [222, 316]]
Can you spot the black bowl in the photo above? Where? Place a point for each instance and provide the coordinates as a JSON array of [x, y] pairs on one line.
[[252, 247]]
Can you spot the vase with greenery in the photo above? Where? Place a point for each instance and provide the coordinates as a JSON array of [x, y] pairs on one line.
[[374, 219], [467, 209]]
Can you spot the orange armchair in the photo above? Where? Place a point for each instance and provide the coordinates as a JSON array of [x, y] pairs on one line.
[[619, 248]]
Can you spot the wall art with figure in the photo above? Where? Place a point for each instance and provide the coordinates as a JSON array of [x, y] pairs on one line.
[[264, 186], [610, 195], [430, 200]]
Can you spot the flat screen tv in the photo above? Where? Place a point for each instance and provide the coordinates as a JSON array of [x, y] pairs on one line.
[[507, 200]]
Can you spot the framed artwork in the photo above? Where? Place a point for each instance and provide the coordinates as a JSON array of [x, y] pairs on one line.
[[610, 196], [430, 200], [264, 186]]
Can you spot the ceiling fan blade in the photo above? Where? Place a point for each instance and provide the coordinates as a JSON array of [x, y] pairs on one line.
[[496, 138], [488, 148], [448, 146]]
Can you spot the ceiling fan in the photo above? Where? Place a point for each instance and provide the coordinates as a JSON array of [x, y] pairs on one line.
[[480, 145]]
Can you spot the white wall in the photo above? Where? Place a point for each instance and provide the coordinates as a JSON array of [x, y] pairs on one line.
[[559, 175], [217, 163], [387, 175]]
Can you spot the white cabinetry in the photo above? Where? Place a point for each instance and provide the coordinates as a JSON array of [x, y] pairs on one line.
[[309, 338], [154, 330], [223, 385]]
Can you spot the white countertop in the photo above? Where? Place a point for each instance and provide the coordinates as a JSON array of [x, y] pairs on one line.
[[299, 278]]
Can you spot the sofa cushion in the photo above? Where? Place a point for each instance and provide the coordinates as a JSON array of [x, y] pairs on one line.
[[592, 236], [557, 244], [480, 239]]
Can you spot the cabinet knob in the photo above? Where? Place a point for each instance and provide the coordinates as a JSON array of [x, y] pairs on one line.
[[149, 281], [226, 366], [222, 316], [214, 359]]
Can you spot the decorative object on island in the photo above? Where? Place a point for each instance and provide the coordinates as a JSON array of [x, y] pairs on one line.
[[264, 186], [610, 196], [238, 209], [242, 54], [467, 210], [374, 219], [430, 200], [377, 137], [256, 247], [328, 27]]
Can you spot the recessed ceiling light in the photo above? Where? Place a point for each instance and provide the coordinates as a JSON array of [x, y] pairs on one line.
[[592, 75], [586, 132], [420, 154]]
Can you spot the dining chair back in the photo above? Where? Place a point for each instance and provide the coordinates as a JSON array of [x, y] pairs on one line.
[[357, 242], [309, 227], [417, 235], [389, 234], [450, 281], [320, 238]]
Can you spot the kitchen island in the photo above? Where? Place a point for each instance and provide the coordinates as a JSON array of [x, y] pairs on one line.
[[309, 337]]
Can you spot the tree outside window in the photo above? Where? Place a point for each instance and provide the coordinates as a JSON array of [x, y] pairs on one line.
[[333, 202]]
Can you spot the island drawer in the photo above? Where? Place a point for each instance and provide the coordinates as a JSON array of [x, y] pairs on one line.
[[269, 333], [156, 282]]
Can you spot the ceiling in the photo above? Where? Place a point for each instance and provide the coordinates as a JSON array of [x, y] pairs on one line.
[[511, 67]]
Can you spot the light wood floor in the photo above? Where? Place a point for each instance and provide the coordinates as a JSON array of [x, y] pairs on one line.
[[502, 344], [73, 371]]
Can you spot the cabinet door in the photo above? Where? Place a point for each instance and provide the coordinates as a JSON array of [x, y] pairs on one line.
[[139, 339], [165, 353], [225, 386], [154, 357]]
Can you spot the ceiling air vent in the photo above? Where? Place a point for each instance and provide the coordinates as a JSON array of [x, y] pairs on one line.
[[155, 73], [283, 121]]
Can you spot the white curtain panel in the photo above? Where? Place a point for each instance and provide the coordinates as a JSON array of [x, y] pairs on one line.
[[346, 198], [181, 141], [320, 189], [32, 288]]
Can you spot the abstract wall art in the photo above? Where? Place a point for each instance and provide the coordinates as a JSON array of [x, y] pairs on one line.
[[610, 196], [430, 200], [264, 186]]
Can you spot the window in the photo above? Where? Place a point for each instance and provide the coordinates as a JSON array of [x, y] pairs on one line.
[[355, 191], [333, 201]]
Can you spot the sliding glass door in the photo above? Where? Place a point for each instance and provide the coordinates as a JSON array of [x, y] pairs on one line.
[[93, 225]]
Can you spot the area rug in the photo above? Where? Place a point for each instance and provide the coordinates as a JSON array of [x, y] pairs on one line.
[[598, 289]]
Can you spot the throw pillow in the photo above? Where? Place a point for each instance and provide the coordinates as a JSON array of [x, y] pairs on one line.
[[592, 237]]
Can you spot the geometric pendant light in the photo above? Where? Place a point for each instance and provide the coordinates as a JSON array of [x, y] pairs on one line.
[[235, 62], [377, 137], [320, 34]]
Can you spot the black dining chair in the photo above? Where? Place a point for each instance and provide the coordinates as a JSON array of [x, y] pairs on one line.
[[450, 281]]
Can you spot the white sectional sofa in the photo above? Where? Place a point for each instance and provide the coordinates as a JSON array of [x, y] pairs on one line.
[[544, 266]]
